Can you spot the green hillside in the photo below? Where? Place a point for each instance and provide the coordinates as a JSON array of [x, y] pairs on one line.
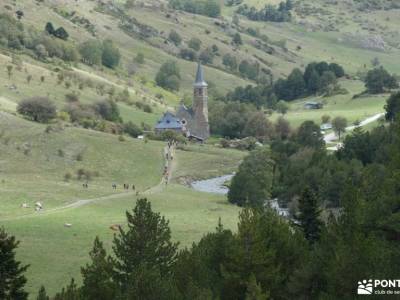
[[49, 163], [33, 167]]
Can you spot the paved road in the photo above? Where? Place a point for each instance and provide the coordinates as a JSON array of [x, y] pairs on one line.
[[331, 137]]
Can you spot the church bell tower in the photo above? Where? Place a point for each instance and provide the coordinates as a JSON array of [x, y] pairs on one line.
[[200, 105]]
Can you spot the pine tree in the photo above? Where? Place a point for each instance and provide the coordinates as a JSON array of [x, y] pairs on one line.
[[147, 242], [49, 28], [12, 279], [313, 83], [42, 294], [309, 215], [254, 291], [97, 276], [69, 293]]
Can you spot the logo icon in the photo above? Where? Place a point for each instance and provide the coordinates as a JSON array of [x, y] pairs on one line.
[[365, 287]]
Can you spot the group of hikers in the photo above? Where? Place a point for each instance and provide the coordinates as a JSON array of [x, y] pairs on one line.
[[168, 156], [126, 186]]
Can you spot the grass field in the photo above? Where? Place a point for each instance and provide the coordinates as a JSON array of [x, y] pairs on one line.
[[55, 252], [33, 162]]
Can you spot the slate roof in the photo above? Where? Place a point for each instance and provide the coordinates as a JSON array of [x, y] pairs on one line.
[[169, 121], [200, 82]]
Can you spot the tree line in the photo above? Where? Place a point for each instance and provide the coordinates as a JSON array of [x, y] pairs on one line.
[[317, 78], [270, 13], [210, 8]]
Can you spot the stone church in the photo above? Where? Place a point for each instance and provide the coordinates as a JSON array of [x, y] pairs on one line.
[[193, 122]]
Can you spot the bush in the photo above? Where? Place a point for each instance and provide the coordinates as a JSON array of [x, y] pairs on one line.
[[139, 58], [67, 176], [71, 97], [61, 33], [91, 52], [132, 129], [147, 108], [38, 109], [188, 54], [379, 80], [111, 55], [207, 56], [195, 44], [108, 110], [175, 37], [168, 76]]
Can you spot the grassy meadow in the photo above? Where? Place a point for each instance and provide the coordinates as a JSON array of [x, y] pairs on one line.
[[33, 164], [34, 161], [56, 252], [353, 110]]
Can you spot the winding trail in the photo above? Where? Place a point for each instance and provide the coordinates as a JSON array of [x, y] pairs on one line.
[[169, 164]]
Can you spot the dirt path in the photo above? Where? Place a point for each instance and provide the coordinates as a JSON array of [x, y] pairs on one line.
[[82, 202], [331, 137]]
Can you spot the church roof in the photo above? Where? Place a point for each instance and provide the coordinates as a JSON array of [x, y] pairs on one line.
[[200, 82], [169, 121]]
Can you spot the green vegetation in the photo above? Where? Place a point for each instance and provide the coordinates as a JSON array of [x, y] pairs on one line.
[[339, 125], [392, 107], [37, 109], [269, 13], [169, 76], [253, 182], [92, 68], [210, 8], [12, 279], [379, 81]]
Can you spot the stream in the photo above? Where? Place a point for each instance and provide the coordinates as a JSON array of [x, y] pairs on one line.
[[213, 185], [216, 185]]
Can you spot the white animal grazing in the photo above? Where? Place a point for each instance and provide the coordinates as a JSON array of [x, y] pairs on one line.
[[67, 225]]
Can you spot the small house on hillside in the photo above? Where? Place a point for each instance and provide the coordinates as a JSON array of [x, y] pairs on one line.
[[169, 122], [313, 105]]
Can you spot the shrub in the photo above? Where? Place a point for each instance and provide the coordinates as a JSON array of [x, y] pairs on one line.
[[38, 109], [168, 76], [91, 52], [61, 33], [111, 55], [132, 129], [188, 54], [71, 97], [175, 37], [67, 176], [79, 157], [195, 44], [139, 58], [147, 108], [108, 110]]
